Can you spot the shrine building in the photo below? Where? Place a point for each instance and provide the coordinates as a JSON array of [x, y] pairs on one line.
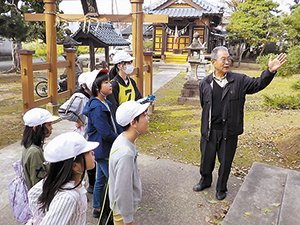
[[185, 18]]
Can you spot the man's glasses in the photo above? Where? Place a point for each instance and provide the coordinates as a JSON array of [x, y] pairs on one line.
[[223, 60]]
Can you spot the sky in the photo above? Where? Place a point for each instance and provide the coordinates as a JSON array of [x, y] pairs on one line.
[[124, 7]]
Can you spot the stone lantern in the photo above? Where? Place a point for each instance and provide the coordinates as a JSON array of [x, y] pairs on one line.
[[190, 91], [197, 60]]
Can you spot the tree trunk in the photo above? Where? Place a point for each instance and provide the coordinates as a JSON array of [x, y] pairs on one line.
[[16, 45], [262, 50]]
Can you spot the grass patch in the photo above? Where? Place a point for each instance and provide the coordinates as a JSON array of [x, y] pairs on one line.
[[270, 136], [174, 130]]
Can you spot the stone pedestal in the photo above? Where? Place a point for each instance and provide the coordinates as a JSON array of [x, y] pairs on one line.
[[189, 94]]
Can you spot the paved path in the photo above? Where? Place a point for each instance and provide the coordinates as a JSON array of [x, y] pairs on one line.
[[162, 78], [167, 186]]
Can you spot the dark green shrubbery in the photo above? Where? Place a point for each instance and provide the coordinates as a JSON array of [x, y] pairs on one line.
[[282, 101], [291, 67], [296, 85]]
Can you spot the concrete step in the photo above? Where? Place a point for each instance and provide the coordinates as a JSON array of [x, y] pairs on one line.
[[269, 195], [173, 66], [164, 68], [178, 59], [290, 203]]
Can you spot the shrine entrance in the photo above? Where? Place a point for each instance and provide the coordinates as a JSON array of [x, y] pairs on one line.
[[50, 16]]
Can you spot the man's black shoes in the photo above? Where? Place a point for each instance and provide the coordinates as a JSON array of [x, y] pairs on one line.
[[220, 195], [200, 187]]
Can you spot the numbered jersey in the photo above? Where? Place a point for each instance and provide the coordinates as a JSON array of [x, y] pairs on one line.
[[126, 93], [123, 92]]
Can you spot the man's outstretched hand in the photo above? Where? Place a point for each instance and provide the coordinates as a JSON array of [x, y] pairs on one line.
[[276, 63]]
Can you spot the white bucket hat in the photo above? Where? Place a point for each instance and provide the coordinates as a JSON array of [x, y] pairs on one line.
[[66, 146], [122, 57], [38, 116], [127, 111]]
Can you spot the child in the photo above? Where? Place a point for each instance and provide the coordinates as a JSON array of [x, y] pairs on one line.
[[124, 87], [72, 110], [103, 128], [61, 198], [38, 126], [125, 187]]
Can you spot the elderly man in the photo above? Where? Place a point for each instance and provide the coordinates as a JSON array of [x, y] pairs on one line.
[[222, 98]]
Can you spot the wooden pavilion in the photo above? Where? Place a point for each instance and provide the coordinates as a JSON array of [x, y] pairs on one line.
[[97, 35], [185, 18]]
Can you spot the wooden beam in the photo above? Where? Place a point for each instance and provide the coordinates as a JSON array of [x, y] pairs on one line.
[[41, 66], [102, 18], [65, 63], [146, 68], [34, 17], [156, 18]]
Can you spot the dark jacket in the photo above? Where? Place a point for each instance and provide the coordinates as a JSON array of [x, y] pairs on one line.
[[233, 100], [114, 97], [100, 127]]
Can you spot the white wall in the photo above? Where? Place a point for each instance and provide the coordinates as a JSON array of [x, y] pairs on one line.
[[5, 47]]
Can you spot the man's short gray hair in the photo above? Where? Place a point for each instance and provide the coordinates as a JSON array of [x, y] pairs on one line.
[[214, 52]]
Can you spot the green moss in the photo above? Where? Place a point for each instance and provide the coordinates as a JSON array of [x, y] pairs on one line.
[[174, 130]]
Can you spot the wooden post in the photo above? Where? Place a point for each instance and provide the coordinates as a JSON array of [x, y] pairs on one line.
[[164, 44], [148, 73], [50, 16], [137, 40], [27, 78], [71, 70], [92, 54]]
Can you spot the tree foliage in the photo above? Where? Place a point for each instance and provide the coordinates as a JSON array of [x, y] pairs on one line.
[[232, 5], [14, 26], [291, 67], [254, 24], [292, 22]]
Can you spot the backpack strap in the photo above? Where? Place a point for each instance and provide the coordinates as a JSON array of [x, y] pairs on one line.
[[102, 210], [21, 161]]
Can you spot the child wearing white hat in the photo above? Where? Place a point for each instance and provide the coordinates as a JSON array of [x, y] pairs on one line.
[[38, 126], [125, 187], [102, 127], [61, 197], [72, 110], [124, 87]]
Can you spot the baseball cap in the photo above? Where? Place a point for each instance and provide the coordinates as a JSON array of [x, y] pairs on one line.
[[66, 146], [122, 57], [38, 116], [127, 111], [87, 78]]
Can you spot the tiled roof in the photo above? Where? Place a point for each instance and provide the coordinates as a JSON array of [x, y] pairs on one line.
[[147, 30], [105, 33], [208, 8], [179, 12]]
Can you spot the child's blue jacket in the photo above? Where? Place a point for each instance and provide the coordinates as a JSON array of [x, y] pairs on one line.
[[100, 127]]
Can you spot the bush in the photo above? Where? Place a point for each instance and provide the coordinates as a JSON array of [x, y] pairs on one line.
[[40, 49], [83, 50], [291, 67], [148, 45], [296, 85], [282, 101]]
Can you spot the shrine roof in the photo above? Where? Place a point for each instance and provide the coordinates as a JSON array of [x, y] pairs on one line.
[[147, 30], [162, 7], [105, 34]]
